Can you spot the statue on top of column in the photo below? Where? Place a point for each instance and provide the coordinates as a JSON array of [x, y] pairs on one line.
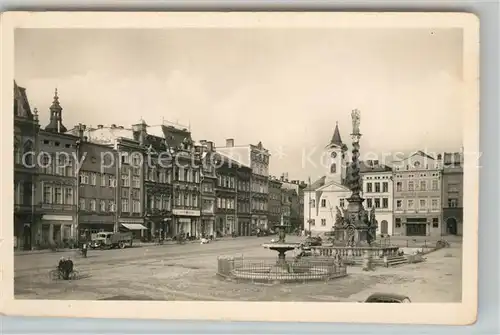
[[356, 118]]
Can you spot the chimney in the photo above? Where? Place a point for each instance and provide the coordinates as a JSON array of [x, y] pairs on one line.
[[81, 128], [100, 126], [113, 126], [230, 142]]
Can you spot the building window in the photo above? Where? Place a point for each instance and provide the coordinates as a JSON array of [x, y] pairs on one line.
[[47, 194], [82, 204], [399, 186], [136, 182], [368, 187], [186, 199], [136, 206], [342, 203], [194, 200], [84, 178], [399, 204], [125, 205], [323, 202], [313, 203], [333, 168], [58, 196], [125, 192], [385, 202], [323, 222], [93, 179], [68, 196], [453, 203], [111, 206], [92, 205], [410, 204], [398, 222], [435, 185], [434, 204], [102, 205], [411, 186], [111, 181], [377, 187], [165, 203], [125, 180], [103, 180], [435, 222], [423, 204], [178, 199], [186, 175], [385, 186], [423, 185], [369, 203], [377, 203]]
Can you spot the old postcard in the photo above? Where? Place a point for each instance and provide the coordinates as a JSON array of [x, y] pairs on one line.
[[313, 167]]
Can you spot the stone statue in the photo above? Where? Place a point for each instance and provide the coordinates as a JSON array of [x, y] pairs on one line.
[[356, 117], [372, 217], [339, 219]]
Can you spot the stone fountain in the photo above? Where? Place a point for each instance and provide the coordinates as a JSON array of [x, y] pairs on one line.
[[281, 246], [282, 270]]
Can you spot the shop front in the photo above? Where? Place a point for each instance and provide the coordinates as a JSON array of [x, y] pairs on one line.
[[157, 226], [244, 226], [208, 225], [133, 225], [93, 224], [55, 230], [187, 222]]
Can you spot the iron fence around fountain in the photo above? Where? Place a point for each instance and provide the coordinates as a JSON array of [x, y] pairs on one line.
[[239, 268]]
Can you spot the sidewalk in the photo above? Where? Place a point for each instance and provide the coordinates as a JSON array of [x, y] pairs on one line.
[[134, 245]]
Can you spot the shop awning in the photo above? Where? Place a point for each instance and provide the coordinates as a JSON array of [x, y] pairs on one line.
[[134, 226]]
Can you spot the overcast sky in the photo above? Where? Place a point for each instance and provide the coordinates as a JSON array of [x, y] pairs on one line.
[[286, 88]]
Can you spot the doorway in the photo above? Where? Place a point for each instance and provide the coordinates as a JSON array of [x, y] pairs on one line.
[[451, 226], [384, 227], [27, 237], [415, 229]]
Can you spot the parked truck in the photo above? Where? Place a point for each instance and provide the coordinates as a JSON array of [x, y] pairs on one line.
[[109, 240]]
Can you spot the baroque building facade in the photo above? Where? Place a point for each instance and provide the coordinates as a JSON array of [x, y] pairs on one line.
[[452, 193], [417, 195]]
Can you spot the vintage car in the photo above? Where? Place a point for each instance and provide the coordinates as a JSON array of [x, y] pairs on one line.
[[387, 298]]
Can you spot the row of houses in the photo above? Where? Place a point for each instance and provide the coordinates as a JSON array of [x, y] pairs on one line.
[[420, 195], [154, 180]]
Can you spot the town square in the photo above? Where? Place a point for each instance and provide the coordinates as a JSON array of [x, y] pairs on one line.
[[116, 199]]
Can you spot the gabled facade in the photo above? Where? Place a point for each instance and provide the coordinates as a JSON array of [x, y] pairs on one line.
[[57, 183], [417, 195], [26, 129]]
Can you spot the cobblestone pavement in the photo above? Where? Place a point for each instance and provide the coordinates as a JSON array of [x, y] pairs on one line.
[[187, 272]]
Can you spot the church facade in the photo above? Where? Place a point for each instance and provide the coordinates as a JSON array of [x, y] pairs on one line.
[[322, 196]]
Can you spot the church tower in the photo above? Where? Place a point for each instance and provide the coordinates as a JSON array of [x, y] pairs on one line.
[[55, 125], [335, 152]]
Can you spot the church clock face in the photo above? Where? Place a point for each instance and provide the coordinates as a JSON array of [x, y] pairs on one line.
[[334, 154]]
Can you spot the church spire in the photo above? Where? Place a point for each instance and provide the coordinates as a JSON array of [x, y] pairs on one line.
[[55, 124], [336, 136]]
